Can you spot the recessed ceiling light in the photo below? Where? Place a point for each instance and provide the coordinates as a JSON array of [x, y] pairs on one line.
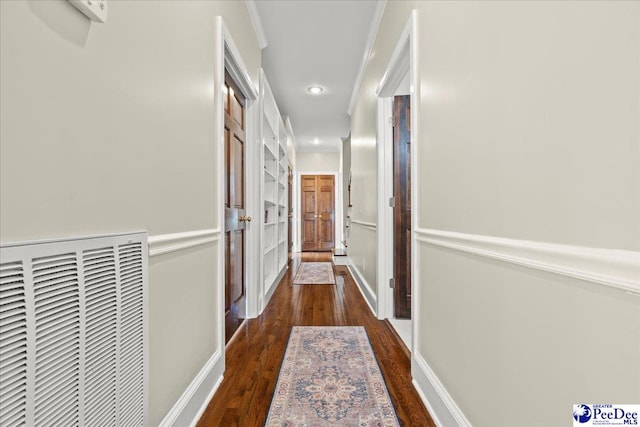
[[315, 90], [316, 141]]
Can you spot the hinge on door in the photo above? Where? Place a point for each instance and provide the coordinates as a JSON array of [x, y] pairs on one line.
[[392, 283], [392, 202]]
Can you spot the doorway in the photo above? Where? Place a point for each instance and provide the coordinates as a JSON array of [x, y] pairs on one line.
[[400, 78], [318, 212], [235, 216], [402, 206]]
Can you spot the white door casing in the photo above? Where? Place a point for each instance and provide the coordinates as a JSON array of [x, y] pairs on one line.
[[403, 61]]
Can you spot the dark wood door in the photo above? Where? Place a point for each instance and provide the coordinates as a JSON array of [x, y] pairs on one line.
[[402, 208], [235, 219], [318, 217]]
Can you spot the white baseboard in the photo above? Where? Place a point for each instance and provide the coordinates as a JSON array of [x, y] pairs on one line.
[[441, 406], [274, 285], [190, 406], [366, 291], [340, 260]]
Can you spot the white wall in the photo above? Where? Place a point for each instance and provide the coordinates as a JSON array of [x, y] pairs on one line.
[[530, 130], [313, 161], [108, 128]]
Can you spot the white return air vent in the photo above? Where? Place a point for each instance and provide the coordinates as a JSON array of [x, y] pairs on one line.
[[73, 332]]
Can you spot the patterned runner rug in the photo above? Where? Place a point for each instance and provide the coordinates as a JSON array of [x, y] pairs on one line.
[[330, 377], [315, 273]]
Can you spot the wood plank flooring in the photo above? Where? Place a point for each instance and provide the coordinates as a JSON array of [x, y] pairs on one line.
[[255, 353]]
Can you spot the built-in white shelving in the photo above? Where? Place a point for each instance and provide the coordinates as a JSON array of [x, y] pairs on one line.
[[274, 189]]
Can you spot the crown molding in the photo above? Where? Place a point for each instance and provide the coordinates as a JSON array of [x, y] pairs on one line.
[[257, 23], [373, 32]]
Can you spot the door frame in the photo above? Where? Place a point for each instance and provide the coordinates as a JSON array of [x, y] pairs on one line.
[[403, 61], [227, 56], [297, 211]]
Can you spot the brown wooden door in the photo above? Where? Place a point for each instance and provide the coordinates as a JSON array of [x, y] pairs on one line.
[[402, 209], [234, 225], [318, 218]]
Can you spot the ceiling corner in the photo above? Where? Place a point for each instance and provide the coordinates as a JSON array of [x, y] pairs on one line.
[[257, 23]]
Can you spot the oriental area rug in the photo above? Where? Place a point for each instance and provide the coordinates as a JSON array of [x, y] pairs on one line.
[[315, 273], [330, 377]]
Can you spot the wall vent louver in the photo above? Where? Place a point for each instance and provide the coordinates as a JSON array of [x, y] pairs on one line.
[[73, 332]]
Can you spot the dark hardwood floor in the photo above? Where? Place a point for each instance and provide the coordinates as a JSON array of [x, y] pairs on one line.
[[255, 353]]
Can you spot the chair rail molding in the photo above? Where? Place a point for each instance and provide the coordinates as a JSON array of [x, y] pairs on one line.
[[615, 268], [364, 224], [165, 243]]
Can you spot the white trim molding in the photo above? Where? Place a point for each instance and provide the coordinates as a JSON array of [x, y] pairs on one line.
[[257, 23], [363, 285], [234, 64], [165, 243], [364, 224], [443, 409], [618, 269], [371, 38], [399, 63], [193, 402]]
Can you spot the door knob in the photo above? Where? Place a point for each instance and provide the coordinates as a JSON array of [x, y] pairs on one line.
[[242, 218], [247, 218]]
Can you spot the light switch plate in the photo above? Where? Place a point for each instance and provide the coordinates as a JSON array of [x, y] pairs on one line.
[[96, 10]]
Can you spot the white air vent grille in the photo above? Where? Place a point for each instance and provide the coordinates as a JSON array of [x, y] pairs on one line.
[[57, 309], [132, 339], [101, 299], [73, 332], [13, 344]]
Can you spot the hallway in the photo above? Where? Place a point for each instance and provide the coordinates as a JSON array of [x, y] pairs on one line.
[[522, 241], [254, 355]]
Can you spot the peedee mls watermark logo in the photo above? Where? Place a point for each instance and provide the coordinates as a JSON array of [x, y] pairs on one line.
[[605, 415]]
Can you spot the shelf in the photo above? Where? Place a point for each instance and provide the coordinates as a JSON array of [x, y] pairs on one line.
[[274, 231], [268, 152], [269, 174]]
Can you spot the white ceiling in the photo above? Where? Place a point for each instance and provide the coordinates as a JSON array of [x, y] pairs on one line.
[[315, 42]]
